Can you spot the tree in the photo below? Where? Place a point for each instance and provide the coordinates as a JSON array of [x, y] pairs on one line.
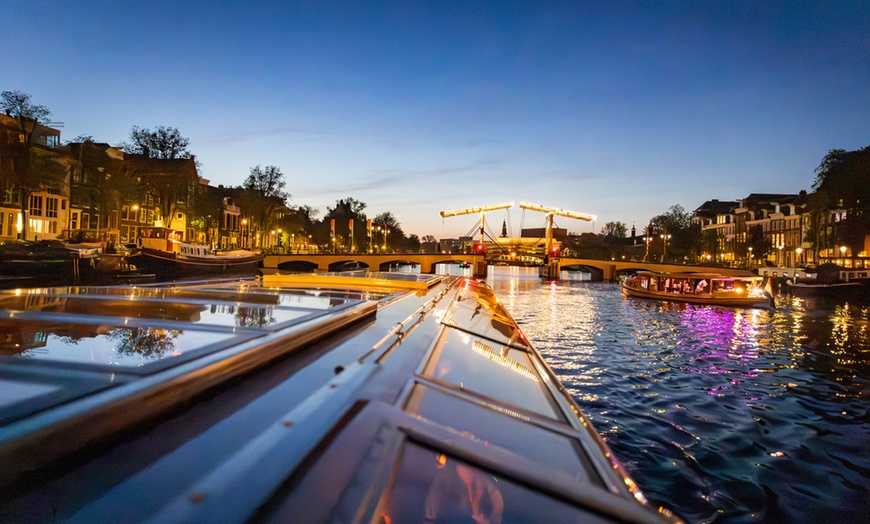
[[80, 139], [393, 236], [614, 231], [685, 238], [843, 183], [33, 168], [586, 245], [263, 195], [164, 142], [428, 239], [161, 163], [344, 211]]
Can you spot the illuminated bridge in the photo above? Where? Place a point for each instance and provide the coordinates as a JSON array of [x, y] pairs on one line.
[[600, 269]]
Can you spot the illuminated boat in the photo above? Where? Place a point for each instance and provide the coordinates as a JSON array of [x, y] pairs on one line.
[[388, 398], [700, 288], [165, 255]]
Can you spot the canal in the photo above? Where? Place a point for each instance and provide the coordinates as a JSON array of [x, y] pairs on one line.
[[724, 415]]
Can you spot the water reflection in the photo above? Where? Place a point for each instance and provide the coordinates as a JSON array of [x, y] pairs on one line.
[[726, 415]]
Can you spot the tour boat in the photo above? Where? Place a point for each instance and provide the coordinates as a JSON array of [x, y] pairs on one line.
[[379, 398], [165, 255], [700, 288]]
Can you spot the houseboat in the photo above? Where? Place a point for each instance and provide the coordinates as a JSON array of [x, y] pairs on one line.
[[163, 253], [383, 398], [699, 288]]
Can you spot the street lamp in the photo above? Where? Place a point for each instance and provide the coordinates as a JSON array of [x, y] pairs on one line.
[[750, 256], [665, 237], [798, 251]]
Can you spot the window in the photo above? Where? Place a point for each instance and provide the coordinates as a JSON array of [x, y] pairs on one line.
[[51, 207], [74, 220], [52, 140], [36, 205]]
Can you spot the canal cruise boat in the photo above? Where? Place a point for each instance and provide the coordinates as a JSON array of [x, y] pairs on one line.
[[164, 254], [700, 288], [379, 398]]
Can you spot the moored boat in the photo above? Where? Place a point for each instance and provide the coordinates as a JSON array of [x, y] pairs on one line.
[[832, 281], [699, 288], [47, 262], [312, 398], [834, 289], [164, 254]]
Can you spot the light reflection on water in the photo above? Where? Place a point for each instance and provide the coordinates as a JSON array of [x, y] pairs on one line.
[[725, 415]]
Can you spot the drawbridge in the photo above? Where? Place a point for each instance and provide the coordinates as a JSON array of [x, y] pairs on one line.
[[509, 250]]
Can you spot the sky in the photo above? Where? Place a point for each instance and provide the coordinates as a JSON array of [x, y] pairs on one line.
[[616, 109]]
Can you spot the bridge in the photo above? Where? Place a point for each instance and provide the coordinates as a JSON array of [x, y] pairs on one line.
[[605, 270], [379, 262]]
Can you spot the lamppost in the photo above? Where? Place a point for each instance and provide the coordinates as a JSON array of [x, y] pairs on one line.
[[750, 256], [665, 238], [843, 254], [245, 233], [374, 240], [798, 260], [646, 240]]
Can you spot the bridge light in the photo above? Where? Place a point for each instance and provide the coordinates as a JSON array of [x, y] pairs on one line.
[[554, 251], [478, 248]]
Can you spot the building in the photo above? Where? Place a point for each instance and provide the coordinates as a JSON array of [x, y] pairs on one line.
[[34, 181]]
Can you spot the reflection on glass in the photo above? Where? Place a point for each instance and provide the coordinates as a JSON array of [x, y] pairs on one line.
[[431, 486], [478, 311], [474, 370], [505, 429], [105, 345], [499, 358]]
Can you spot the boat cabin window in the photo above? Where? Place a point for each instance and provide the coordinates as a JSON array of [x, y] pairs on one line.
[[552, 450], [431, 486], [485, 367]]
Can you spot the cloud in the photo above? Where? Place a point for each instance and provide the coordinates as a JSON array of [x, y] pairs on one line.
[[478, 165], [267, 133]]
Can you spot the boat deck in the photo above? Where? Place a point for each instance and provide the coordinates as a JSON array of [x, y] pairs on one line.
[[295, 399]]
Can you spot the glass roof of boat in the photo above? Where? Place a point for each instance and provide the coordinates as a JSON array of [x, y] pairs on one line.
[[142, 329]]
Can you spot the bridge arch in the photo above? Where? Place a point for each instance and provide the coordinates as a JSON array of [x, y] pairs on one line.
[[299, 266], [597, 272]]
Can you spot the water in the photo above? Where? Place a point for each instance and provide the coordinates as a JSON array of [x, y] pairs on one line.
[[724, 415]]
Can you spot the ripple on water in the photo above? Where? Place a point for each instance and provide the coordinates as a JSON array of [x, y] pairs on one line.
[[724, 415]]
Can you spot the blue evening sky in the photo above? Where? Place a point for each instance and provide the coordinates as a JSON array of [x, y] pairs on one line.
[[617, 109]]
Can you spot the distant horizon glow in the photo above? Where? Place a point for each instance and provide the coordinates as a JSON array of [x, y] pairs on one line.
[[619, 109]]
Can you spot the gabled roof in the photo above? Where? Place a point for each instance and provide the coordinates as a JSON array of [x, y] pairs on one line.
[[712, 208]]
